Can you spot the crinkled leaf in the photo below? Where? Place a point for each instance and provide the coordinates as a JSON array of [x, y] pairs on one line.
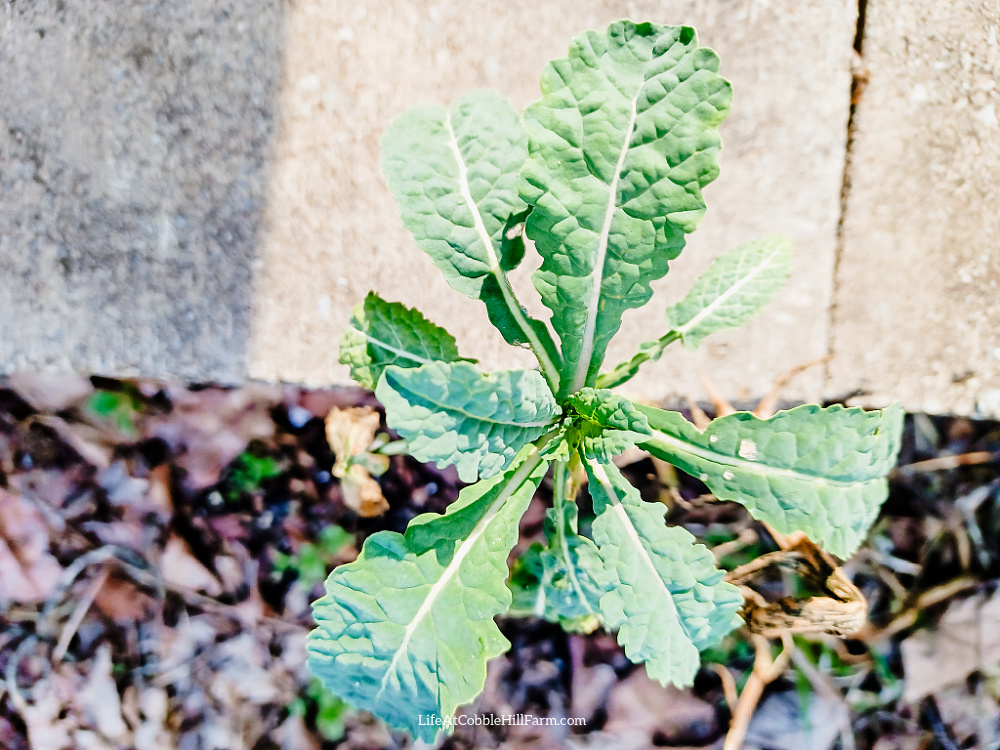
[[608, 410], [454, 174], [405, 630], [608, 423], [389, 333], [451, 413], [669, 600], [621, 144], [574, 579], [812, 469], [737, 285]]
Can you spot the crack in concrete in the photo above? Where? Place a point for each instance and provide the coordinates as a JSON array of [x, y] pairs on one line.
[[859, 79]]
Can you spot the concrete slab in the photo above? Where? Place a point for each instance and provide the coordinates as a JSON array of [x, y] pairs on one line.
[[333, 233], [136, 161], [134, 141], [917, 314]]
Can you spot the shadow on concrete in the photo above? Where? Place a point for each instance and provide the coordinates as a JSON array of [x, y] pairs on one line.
[[134, 148]]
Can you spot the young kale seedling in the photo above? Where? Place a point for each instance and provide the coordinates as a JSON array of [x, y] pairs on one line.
[[605, 174]]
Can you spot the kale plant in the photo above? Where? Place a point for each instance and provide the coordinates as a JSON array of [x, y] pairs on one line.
[[605, 175]]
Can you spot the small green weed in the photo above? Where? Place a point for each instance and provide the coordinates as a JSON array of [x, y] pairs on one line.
[[120, 408], [313, 561], [330, 710]]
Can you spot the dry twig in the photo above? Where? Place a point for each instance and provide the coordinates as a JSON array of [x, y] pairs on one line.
[[765, 671], [82, 607], [840, 610], [943, 463]]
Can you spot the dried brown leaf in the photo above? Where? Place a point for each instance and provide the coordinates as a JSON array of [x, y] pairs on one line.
[[182, 570], [841, 609], [120, 601], [362, 494], [28, 571], [99, 701], [51, 392], [965, 640], [673, 716], [350, 433]]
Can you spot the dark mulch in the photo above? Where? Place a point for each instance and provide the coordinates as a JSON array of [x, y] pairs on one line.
[[160, 545]]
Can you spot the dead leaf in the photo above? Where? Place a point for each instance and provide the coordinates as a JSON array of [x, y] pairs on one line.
[[49, 725], [120, 487], [159, 494], [965, 640], [120, 601], [968, 716], [592, 683], [151, 734], [99, 700], [239, 674], [350, 433], [28, 571], [361, 493], [788, 721], [230, 571], [915, 741], [207, 429], [841, 610], [177, 648], [293, 735], [671, 716], [182, 570], [51, 392], [92, 445]]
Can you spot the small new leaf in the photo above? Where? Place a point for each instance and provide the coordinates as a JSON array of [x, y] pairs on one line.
[[669, 600], [405, 630], [737, 285], [389, 333], [812, 469], [450, 413], [609, 424]]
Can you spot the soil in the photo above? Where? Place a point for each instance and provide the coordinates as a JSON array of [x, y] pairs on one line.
[[160, 545]]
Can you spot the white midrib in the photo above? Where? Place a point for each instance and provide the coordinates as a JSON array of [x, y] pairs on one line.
[[470, 415], [726, 295], [484, 237], [519, 477], [726, 461], [597, 279], [393, 349], [633, 537]]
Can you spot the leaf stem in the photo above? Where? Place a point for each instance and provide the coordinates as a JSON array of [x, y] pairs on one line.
[[626, 370], [559, 477]]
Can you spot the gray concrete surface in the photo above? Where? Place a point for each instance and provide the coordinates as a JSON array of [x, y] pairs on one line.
[[134, 144], [193, 191], [333, 228], [917, 314]]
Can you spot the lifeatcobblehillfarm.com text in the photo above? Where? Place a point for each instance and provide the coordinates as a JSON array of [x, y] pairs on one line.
[[507, 720]]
